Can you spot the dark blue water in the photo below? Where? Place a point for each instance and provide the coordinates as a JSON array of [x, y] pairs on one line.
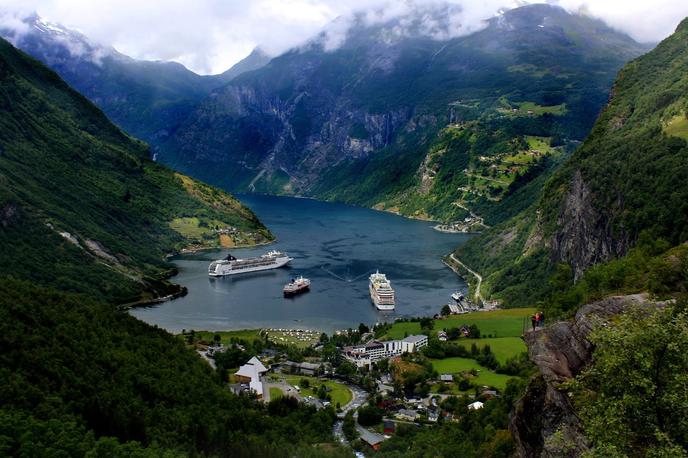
[[337, 247]]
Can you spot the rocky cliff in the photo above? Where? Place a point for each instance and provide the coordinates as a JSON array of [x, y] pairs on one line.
[[356, 122], [544, 422]]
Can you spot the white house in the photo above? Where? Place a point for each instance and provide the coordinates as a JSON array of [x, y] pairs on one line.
[[475, 405], [364, 355], [250, 373]]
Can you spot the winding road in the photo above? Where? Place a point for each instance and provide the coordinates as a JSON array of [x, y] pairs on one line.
[[478, 296]]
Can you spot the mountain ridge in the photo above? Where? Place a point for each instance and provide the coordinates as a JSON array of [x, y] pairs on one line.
[[371, 109], [616, 192], [73, 183]]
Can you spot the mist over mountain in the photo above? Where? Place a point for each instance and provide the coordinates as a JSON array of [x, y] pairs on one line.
[[148, 99], [357, 123]]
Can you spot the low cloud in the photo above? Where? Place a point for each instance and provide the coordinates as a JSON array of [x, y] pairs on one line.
[[209, 36]]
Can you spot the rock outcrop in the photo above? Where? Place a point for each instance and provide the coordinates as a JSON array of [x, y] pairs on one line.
[[584, 235], [544, 422]]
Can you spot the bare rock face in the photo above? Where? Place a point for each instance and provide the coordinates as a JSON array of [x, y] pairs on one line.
[[9, 212], [584, 236], [544, 423]]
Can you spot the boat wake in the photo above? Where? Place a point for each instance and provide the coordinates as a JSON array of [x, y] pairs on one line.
[[347, 279]]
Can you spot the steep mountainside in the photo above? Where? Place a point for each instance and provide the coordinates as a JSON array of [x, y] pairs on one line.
[[85, 217], [625, 184], [82, 207], [147, 99], [400, 121]]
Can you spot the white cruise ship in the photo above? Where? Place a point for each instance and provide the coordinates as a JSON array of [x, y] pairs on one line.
[[381, 292], [232, 265]]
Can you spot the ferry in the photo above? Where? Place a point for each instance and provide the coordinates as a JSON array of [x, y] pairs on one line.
[[296, 286], [381, 292], [233, 266]]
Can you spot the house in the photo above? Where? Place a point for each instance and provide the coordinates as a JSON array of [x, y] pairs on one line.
[[489, 394], [433, 416], [442, 336], [388, 427], [446, 378], [366, 354], [372, 439], [407, 414], [250, 373], [291, 367], [475, 405]]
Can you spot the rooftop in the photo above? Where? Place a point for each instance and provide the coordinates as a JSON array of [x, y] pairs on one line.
[[416, 338]]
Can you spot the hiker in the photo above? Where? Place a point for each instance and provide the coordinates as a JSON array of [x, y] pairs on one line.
[[537, 320], [542, 320], [533, 321]]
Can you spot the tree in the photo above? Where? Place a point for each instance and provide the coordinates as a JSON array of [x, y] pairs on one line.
[[446, 311], [638, 384], [349, 426], [362, 329], [369, 415], [473, 332]]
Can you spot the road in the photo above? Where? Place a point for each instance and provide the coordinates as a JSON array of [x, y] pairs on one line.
[[478, 296], [359, 398]]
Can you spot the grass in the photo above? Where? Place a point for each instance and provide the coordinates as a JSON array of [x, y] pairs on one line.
[[677, 127], [502, 347], [539, 110], [401, 330], [497, 323], [541, 144], [275, 393], [339, 393], [461, 365], [225, 336], [301, 339]]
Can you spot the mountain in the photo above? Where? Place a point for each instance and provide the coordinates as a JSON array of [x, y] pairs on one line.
[[257, 59], [398, 120], [613, 217], [85, 220], [82, 206], [148, 99]]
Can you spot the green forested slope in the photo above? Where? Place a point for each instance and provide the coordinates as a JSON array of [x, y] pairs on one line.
[[79, 376], [74, 370], [65, 169], [627, 183]]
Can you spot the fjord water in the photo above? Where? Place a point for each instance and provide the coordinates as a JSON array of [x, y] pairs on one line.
[[337, 247]]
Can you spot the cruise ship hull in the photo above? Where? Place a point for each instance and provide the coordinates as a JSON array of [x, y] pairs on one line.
[[223, 271], [380, 303]]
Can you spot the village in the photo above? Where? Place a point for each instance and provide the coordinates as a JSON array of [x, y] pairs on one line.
[[411, 373]]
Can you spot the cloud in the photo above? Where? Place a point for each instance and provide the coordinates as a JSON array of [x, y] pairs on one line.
[[208, 36]]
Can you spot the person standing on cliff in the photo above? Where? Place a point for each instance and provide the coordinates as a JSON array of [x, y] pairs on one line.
[[541, 319], [533, 321]]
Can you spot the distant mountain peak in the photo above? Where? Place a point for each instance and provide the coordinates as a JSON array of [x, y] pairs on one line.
[[21, 30]]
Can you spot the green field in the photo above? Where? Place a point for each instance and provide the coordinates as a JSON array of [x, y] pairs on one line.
[[502, 347], [340, 393], [299, 339], [539, 110], [498, 323], [459, 365], [226, 336], [190, 227], [400, 330], [677, 127], [275, 393]]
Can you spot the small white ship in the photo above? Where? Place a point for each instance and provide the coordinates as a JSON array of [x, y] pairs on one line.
[[296, 286], [232, 265], [381, 291]]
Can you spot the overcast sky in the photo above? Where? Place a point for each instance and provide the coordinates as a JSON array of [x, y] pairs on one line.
[[208, 36]]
